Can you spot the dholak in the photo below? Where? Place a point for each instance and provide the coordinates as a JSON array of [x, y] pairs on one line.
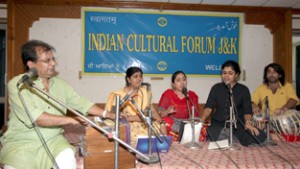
[[288, 123], [259, 121]]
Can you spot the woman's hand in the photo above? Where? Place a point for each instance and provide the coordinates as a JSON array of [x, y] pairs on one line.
[[131, 118], [171, 109], [166, 112], [163, 128]]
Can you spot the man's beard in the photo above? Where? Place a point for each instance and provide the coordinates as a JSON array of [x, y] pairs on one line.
[[273, 80]]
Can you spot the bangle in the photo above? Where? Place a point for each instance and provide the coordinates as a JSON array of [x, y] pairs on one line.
[[104, 113], [249, 121]]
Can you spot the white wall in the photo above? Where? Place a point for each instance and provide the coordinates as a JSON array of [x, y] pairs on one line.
[[65, 36]]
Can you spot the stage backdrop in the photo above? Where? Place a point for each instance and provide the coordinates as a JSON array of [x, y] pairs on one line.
[[158, 42]]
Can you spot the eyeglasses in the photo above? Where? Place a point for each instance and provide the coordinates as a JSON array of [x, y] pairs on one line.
[[47, 61]]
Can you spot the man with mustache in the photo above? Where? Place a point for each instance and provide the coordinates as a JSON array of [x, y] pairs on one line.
[[281, 94]]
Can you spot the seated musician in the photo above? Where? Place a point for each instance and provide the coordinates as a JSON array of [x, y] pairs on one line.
[[140, 95], [219, 100], [173, 106], [279, 94], [34, 138], [276, 94]]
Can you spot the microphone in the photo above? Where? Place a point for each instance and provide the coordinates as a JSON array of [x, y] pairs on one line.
[[227, 83], [146, 84], [185, 92], [126, 97], [267, 110], [31, 73], [267, 102]]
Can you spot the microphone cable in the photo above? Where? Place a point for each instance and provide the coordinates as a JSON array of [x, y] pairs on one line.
[[263, 145], [144, 121], [176, 150], [284, 141], [223, 150], [163, 135], [158, 154]]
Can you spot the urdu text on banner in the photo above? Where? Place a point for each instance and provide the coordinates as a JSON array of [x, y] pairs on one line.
[[160, 43]]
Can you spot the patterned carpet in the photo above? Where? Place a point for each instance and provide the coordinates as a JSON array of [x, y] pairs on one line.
[[286, 155]]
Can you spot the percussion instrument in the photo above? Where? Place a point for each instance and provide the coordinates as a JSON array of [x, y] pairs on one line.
[[288, 123], [259, 121]]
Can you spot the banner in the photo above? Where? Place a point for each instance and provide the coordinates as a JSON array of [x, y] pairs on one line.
[[160, 43]]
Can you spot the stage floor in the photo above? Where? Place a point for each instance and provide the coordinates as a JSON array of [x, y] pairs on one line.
[[285, 155]]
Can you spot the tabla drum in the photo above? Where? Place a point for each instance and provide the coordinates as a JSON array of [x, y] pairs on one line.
[[259, 121], [288, 123]]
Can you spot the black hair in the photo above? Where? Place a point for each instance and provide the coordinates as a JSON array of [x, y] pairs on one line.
[[130, 71], [278, 69], [29, 51], [175, 75], [233, 64]]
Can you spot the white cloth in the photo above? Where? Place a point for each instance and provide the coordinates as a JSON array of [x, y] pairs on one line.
[[8, 167], [66, 159], [187, 133]]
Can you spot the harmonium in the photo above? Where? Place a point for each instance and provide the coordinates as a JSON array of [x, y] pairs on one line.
[[98, 150]]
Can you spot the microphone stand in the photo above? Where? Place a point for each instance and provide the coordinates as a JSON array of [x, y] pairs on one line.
[[110, 135], [149, 118], [117, 129], [145, 119], [192, 144], [269, 141], [153, 158], [35, 126], [232, 122]]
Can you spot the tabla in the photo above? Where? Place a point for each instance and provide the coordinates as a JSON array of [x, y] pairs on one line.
[[259, 121], [288, 123]]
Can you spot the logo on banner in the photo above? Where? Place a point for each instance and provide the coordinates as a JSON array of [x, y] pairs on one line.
[[162, 65], [162, 21]]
